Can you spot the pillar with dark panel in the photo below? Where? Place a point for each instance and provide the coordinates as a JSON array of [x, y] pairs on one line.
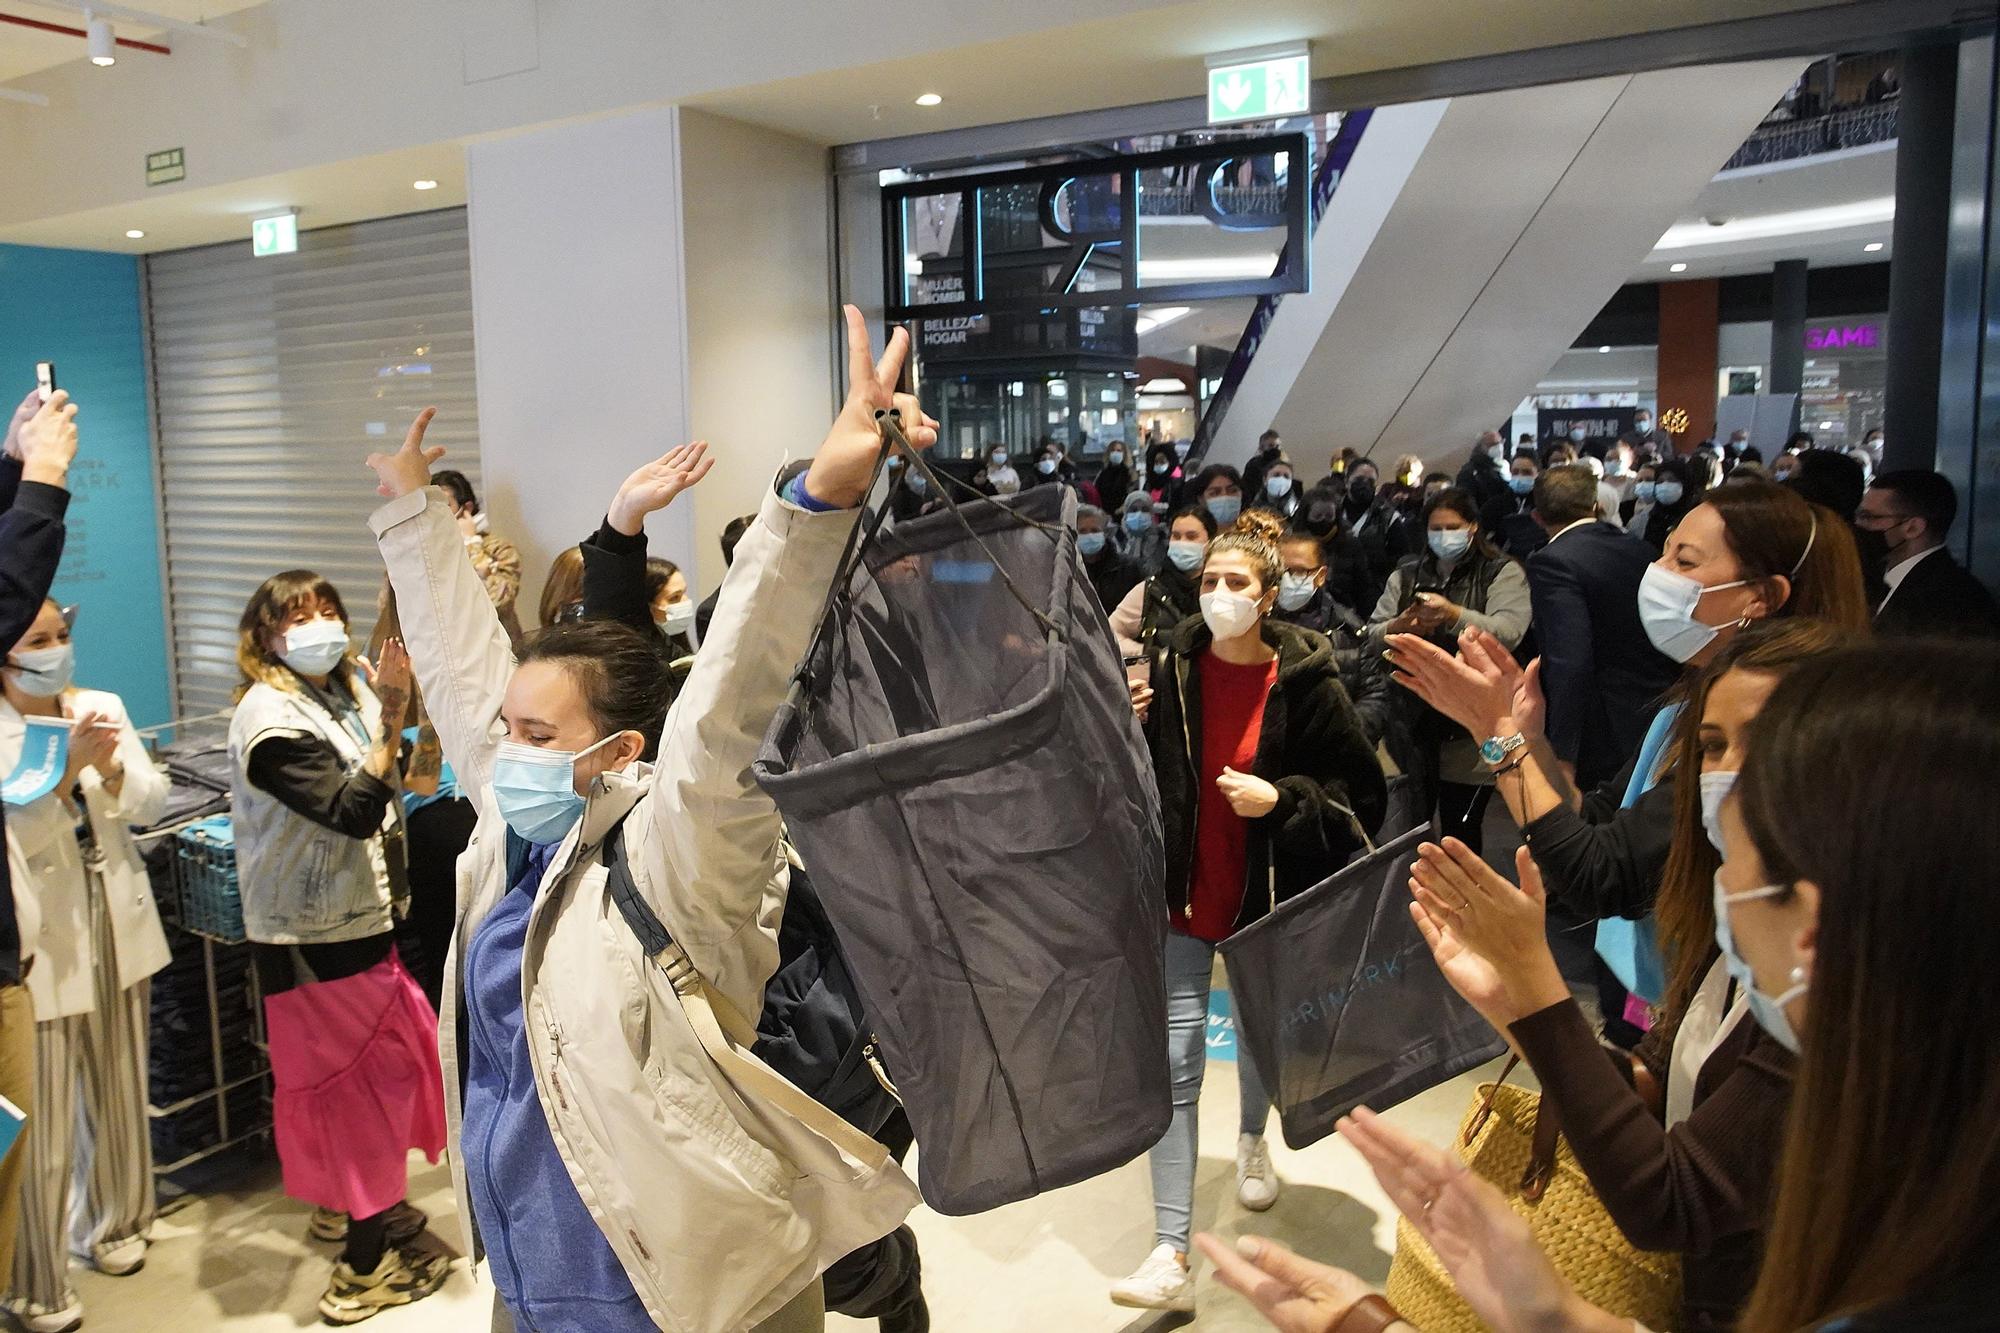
[[1926, 130], [1788, 331], [1690, 320]]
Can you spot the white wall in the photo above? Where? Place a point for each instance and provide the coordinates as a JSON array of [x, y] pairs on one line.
[[578, 303], [760, 316]]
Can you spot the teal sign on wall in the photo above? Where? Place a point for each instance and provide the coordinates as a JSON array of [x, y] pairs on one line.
[[80, 309]]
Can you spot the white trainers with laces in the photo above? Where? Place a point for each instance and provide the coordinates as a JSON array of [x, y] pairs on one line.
[[1163, 1282], [1257, 1182]]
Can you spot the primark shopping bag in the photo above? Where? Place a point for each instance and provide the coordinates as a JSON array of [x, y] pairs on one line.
[[960, 765], [1340, 1003]]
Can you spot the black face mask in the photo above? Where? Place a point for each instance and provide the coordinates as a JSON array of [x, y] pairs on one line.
[[1320, 521], [1360, 493], [1874, 547]]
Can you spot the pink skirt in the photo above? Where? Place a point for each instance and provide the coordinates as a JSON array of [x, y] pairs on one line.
[[357, 1085]]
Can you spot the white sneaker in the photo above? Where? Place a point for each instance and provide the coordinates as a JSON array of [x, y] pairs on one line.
[[40, 1319], [1257, 1182], [121, 1260], [1163, 1282]]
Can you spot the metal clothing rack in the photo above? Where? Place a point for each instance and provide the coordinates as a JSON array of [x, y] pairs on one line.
[[223, 1034]]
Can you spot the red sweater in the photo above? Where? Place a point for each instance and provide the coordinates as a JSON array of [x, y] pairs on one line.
[[1232, 722]]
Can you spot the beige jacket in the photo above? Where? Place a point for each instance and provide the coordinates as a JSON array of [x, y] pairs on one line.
[[720, 1200], [48, 868]]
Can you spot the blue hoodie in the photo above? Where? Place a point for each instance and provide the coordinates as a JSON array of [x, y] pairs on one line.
[[552, 1265]]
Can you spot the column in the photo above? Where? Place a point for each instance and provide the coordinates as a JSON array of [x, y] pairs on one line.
[[1788, 330], [1689, 316], [1917, 277]]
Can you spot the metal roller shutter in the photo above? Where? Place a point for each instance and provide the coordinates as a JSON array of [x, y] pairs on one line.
[[273, 379]]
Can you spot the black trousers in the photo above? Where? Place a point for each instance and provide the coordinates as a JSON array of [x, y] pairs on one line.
[[435, 836]]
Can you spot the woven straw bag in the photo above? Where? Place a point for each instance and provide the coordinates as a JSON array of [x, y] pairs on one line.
[[1512, 1140]]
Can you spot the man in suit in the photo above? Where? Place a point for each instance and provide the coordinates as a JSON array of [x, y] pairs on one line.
[[1903, 521], [1600, 673]]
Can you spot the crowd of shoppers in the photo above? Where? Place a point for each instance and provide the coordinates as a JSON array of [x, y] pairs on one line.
[[1664, 663]]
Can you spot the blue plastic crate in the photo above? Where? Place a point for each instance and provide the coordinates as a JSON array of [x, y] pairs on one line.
[[205, 880]]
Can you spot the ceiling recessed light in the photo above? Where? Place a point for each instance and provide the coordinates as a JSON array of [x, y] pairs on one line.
[[930, 99], [135, 235], [423, 185], [1678, 268], [1873, 247], [1605, 348]]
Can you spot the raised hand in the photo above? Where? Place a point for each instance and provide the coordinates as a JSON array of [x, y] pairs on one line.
[[1293, 1293], [1484, 1244], [1248, 795], [47, 440], [29, 406], [409, 468], [1471, 975], [391, 678], [1490, 656], [654, 486], [93, 743], [1476, 697], [846, 460], [1505, 925]]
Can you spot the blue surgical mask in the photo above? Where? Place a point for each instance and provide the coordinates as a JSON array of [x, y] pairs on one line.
[[1186, 556], [45, 672], [1138, 521], [1278, 486], [1226, 508], [316, 647], [1767, 1010], [536, 789], [916, 482], [1450, 543], [1669, 492], [1296, 591], [1715, 789], [1645, 491], [1090, 543], [1521, 485]]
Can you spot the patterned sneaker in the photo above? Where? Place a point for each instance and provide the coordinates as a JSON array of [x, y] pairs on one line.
[[41, 1319], [1163, 1282], [121, 1260], [400, 1279], [1257, 1181], [406, 1223]]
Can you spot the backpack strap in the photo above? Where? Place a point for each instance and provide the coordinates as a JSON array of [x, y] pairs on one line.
[[718, 1025]]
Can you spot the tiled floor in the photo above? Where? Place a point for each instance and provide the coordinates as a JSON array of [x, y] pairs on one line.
[[238, 1259]]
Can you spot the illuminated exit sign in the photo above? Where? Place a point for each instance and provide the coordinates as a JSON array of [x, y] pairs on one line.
[[275, 235], [1259, 85]]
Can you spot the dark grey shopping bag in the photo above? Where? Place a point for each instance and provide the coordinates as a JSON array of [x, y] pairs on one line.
[[960, 766], [1340, 1002]]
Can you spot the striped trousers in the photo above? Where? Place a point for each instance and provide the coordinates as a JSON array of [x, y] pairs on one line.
[[88, 1179]]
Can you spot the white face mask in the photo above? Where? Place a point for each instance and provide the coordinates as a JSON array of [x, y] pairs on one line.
[[1278, 487], [1768, 1010], [43, 673], [1046, 467], [1715, 789], [1667, 601], [1296, 591], [1229, 614], [481, 524], [679, 618], [1186, 556], [316, 647], [1497, 452]]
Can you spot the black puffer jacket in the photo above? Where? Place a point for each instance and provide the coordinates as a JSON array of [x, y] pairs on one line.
[[1312, 749]]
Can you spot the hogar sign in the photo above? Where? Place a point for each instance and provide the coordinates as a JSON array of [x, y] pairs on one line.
[[1840, 337]]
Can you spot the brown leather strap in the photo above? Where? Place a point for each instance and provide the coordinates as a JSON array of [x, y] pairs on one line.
[[1542, 1153], [1485, 1111], [1370, 1314]]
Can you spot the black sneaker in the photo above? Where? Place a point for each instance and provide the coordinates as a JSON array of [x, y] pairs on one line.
[[400, 1279]]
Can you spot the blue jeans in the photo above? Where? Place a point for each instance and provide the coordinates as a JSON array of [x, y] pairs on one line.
[[1190, 963]]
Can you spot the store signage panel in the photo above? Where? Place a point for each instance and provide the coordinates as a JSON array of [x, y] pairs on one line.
[[1067, 236], [1840, 337]]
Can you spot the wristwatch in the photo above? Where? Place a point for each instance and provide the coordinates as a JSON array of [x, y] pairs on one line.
[[1495, 749]]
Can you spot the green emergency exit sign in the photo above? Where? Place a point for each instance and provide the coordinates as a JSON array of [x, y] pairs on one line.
[[1259, 85], [274, 235]]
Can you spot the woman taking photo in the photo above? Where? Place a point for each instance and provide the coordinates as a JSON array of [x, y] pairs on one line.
[[601, 1153], [1461, 582], [98, 944], [1172, 595], [319, 856], [1265, 779]]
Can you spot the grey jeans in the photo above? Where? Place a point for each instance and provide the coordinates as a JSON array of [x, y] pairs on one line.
[[805, 1314], [1190, 964]]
